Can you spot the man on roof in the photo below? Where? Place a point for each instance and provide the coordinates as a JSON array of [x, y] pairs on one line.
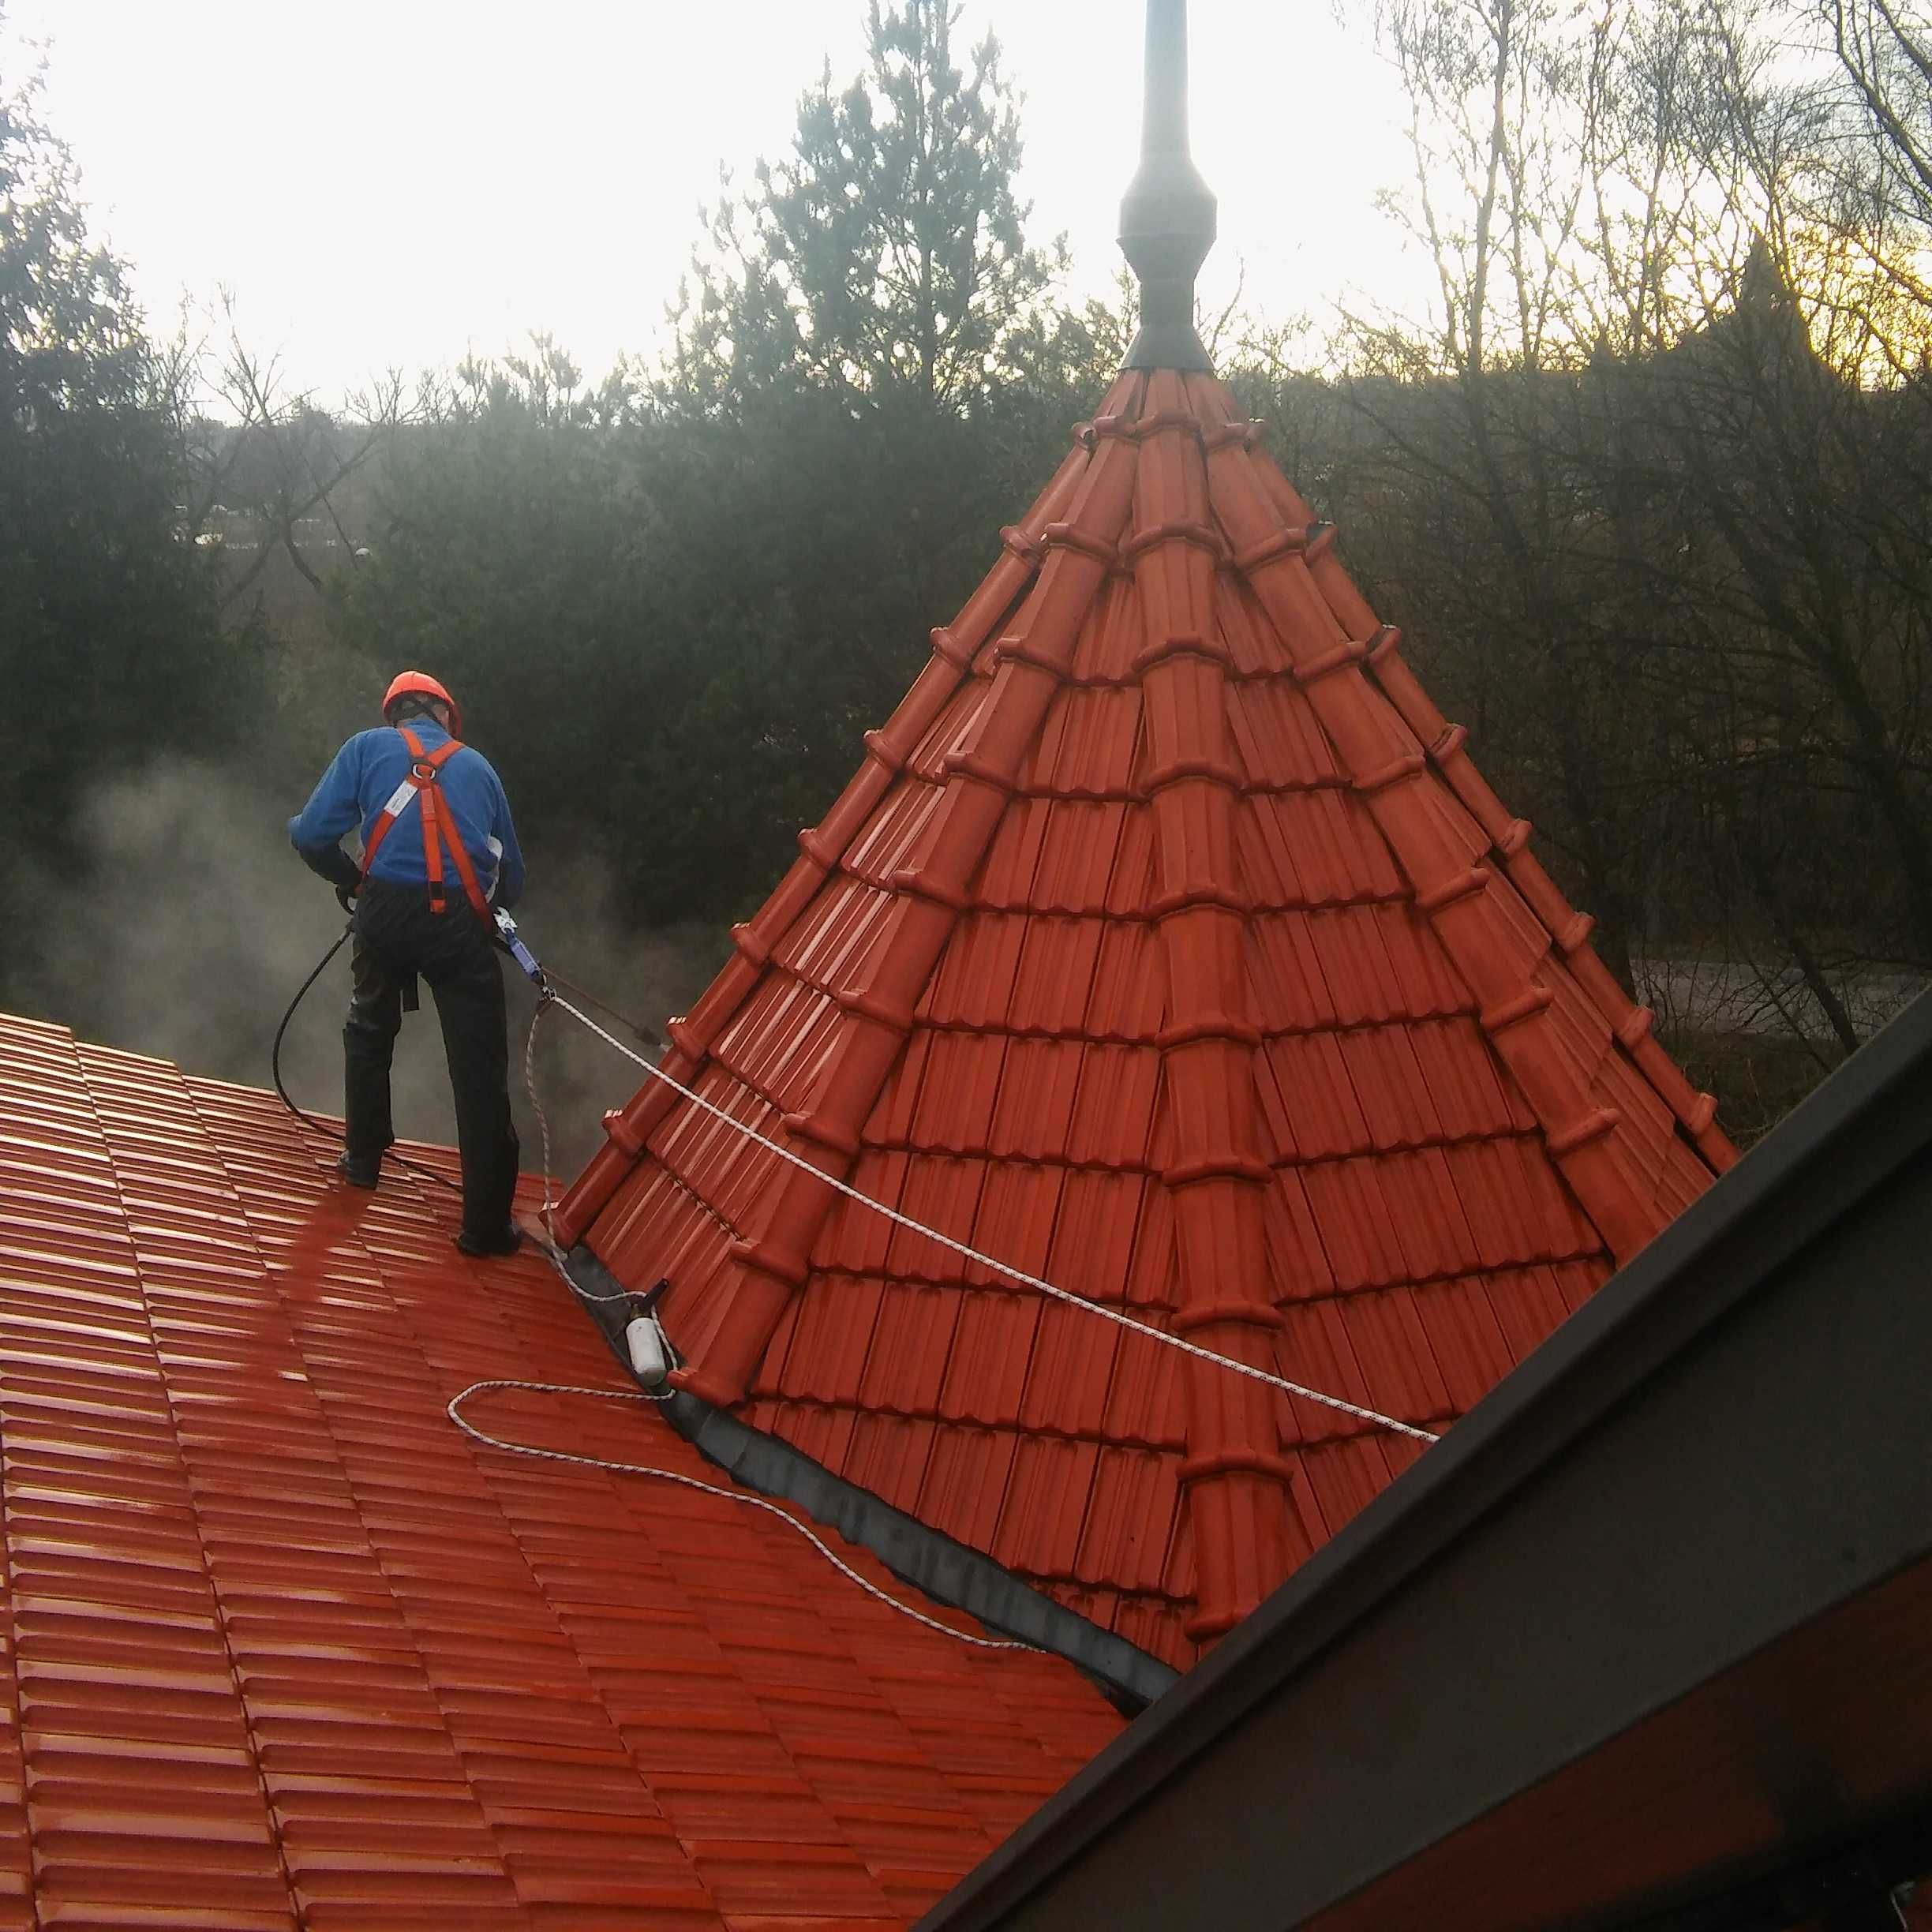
[[439, 851]]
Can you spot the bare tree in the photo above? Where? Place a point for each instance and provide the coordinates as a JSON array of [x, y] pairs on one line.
[[1656, 469], [270, 462]]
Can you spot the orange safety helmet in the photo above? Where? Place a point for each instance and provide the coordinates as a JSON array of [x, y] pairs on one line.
[[420, 684]]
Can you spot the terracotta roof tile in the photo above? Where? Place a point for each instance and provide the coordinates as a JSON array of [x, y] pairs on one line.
[[1046, 1505], [1392, 1345], [952, 731], [973, 987], [284, 1647], [854, 1242], [1345, 1476], [1473, 1093], [959, 1093], [1101, 1216], [1130, 1519], [1189, 962], [1146, 1401], [1280, 739], [1428, 1216], [1087, 744], [1468, 1343], [1516, 1204], [1067, 1380], [966, 1479], [1039, 1081], [1298, 1266], [823, 1358], [900, 834], [986, 1372], [782, 1043], [1053, 985], [912, 1347], [1083, 844], [1306, 849]]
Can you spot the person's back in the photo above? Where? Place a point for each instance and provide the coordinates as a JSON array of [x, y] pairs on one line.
[[439, 848]]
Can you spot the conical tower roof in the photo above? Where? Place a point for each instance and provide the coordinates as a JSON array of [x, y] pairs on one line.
[[1168, 944]]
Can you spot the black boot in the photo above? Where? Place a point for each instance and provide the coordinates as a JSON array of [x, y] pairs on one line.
[[506, 1240], [359, 1170]]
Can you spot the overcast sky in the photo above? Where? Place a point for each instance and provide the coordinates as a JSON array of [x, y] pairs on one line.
[[391, 182]]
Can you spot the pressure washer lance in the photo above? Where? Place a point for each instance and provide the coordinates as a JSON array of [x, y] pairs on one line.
[[513, 945]]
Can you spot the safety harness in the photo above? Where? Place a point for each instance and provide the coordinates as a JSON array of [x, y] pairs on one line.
[[439, 829]]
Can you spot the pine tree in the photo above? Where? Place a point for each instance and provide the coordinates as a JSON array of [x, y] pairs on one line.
[[887, 255]]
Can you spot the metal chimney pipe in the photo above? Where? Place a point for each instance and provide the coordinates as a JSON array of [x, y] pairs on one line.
[[1168, 217]]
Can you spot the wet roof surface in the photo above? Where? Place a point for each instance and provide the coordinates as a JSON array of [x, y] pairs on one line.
[[1169, 944], [286, 1649]]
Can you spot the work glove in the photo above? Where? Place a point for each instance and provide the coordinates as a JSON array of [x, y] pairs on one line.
[[346, 898]]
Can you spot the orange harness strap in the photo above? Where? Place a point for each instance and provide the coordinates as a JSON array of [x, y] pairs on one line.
[[438, 834]]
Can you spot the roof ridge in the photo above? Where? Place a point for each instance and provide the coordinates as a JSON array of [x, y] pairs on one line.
[[1217, 1172], [1446, 746], [1465, 900]]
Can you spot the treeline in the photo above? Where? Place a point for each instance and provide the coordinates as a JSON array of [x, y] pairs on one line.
[[1650, 491], [111, 641]]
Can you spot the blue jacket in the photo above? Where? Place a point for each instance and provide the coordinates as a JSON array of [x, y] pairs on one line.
[[357, 785]]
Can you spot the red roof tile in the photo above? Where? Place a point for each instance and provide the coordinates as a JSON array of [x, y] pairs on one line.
[[282, 1647], [1168, 943]]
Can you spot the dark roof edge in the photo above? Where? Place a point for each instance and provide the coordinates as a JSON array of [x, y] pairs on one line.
[[948, 1571], [1843, 1141]]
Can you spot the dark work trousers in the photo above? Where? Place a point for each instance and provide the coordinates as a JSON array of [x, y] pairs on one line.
[[398, 936]]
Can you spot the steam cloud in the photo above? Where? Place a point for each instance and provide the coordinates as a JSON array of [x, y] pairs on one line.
[[199, 922]]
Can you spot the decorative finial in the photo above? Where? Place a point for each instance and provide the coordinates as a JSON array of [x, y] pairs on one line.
[[1167, 217]]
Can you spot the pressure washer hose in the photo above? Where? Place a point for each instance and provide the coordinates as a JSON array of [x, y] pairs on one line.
[[454, 1405], [643, 1032], [322, 1126]]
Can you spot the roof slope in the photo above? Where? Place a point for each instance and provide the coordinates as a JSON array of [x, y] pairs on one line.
[[286, 1649], [1168, 944]]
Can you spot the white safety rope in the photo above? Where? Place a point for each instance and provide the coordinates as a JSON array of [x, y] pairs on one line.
[[547, 1241], [1117, 1316], [692, 1482]]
